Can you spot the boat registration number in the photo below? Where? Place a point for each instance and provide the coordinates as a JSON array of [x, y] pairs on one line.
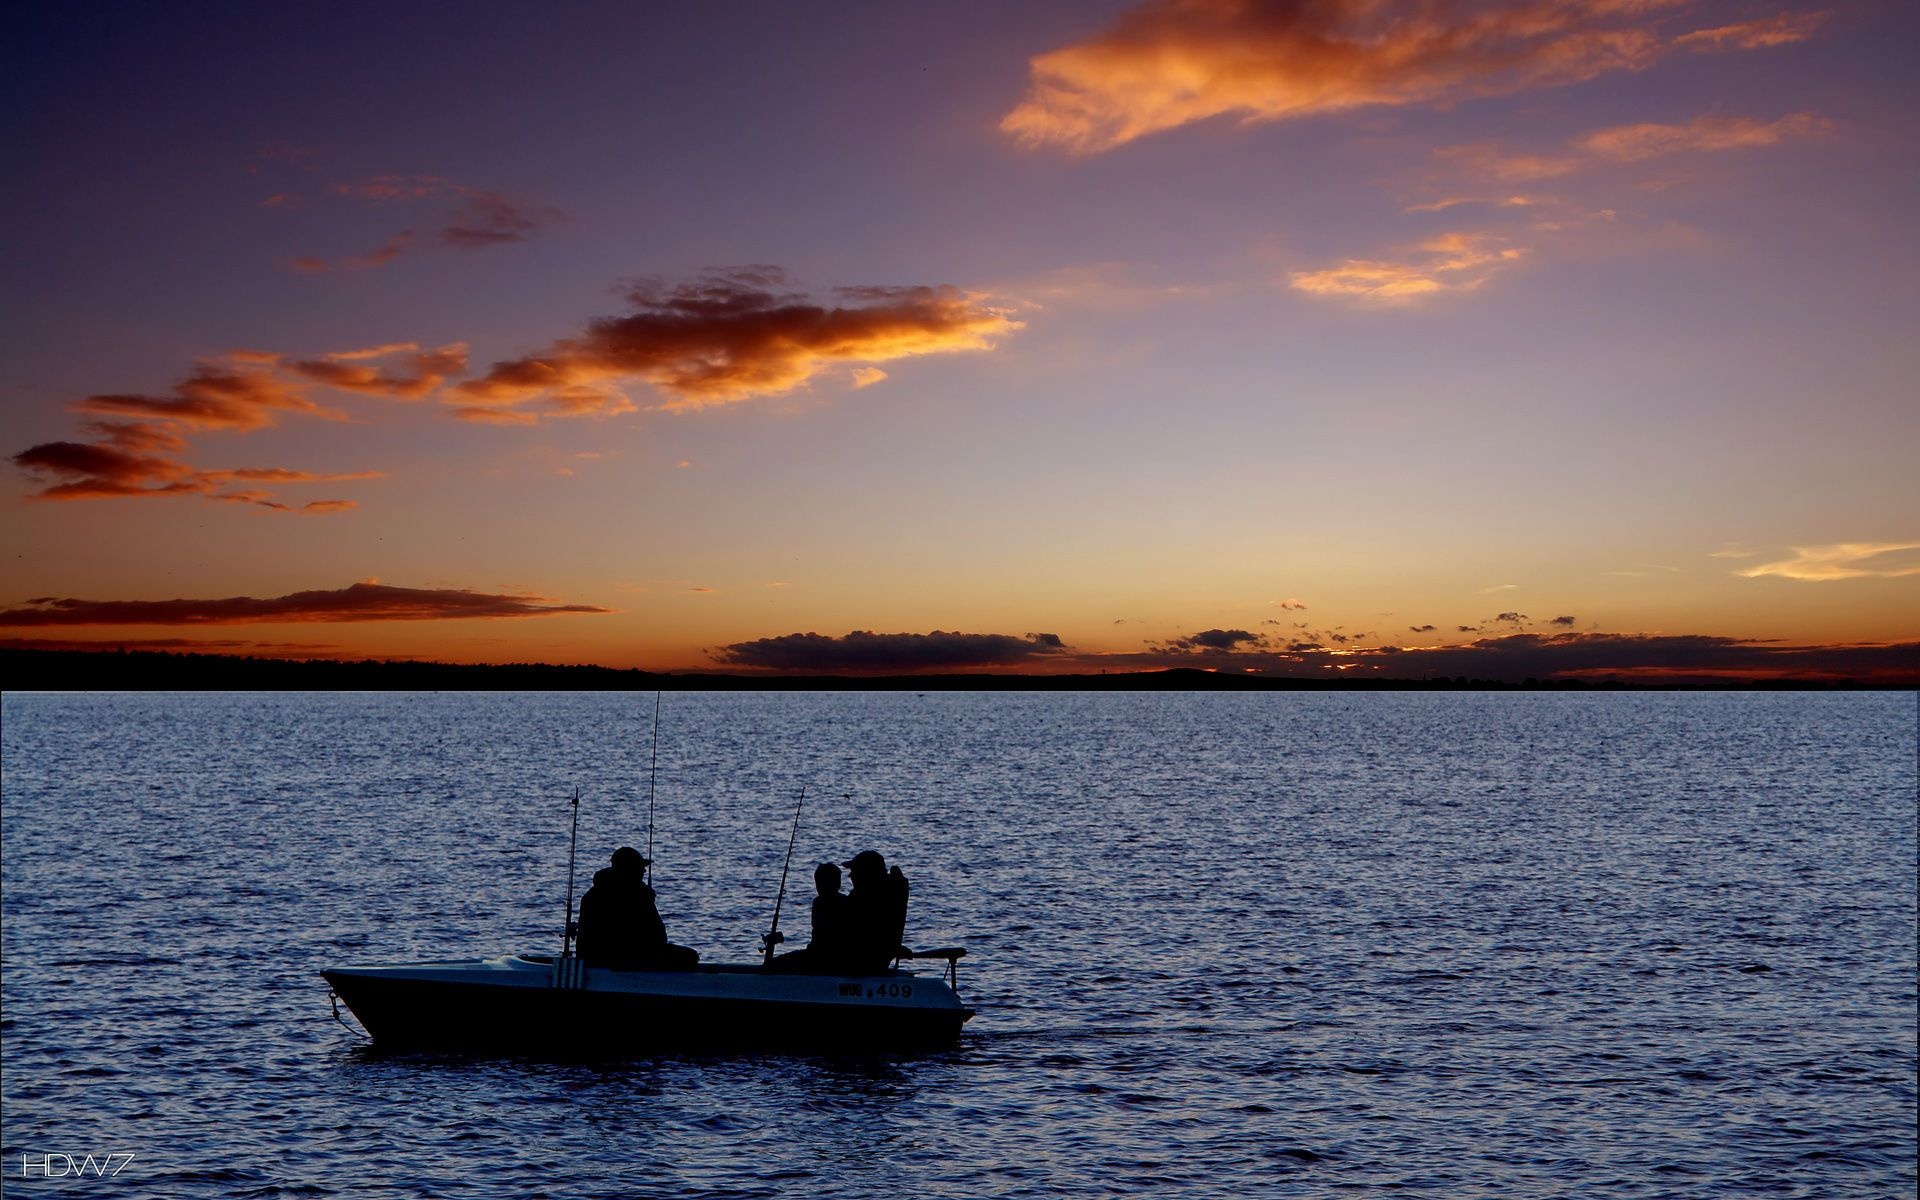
[[878, 991]]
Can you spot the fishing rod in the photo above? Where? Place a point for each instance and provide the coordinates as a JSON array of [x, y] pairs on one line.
[[653, 769], [573, 841], [773, 937]]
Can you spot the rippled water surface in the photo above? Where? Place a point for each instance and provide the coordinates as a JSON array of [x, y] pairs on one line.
[[1221, 945]]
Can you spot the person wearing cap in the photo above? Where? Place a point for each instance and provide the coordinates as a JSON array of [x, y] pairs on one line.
[[826, 953], [620, 926], [876, 914]]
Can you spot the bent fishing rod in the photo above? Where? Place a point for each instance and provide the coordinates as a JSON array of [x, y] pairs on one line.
[[772, 937]]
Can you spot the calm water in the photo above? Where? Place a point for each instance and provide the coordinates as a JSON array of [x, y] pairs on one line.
[[1222, 945]]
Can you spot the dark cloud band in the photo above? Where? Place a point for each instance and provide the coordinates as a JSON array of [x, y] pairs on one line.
[[904, 653], [367, 601]]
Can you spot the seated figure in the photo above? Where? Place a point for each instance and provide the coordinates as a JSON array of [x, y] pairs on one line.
[[620, 926], [825, 954], [876, 915]]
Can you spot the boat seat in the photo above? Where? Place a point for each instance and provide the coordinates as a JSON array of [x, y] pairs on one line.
[[950, 953]]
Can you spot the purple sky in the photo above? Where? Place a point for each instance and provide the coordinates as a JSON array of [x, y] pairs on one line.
[[687, 335]]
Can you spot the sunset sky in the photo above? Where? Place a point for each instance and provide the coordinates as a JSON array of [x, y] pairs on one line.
[[1299, 338]]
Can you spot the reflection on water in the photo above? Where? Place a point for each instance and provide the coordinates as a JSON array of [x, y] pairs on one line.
[[1220, 944]]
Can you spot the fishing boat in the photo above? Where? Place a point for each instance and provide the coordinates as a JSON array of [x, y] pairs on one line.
[[533, 1002], [566, 1003]]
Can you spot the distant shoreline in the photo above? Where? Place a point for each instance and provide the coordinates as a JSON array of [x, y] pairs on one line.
[[165, 671]]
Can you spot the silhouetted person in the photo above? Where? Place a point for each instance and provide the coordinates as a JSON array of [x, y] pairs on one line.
[[876, 914], [826, 953], [619, 925]]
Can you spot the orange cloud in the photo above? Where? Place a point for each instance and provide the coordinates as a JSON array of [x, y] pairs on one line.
[[1099, 286], [1514, 201], [1453, 262], [1487, 160], [1172, 62], [365, 601], [1844, 560], [1780, 30], [411, 373], [726, 337], [133, 459], [265, 500], [237, 394], [117, 465], [1631, 144], [495, 416], [242, 392], [1708, 134], [280, 475], [1465, 261]]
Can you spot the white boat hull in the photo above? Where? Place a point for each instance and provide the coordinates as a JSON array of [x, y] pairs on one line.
[[521, 1002]]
